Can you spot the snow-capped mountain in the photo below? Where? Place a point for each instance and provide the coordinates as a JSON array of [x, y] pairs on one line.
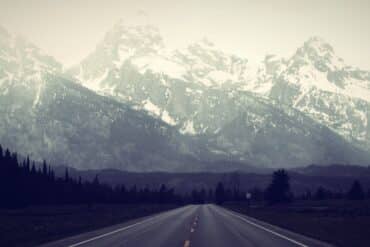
[[318, 83], [314, 80], [47, 116], [141, 70], [158, 109], [202, 91], [23, 65], [143, 48], [133, 65]]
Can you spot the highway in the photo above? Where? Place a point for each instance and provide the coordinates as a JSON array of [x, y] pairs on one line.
[[193, 225]]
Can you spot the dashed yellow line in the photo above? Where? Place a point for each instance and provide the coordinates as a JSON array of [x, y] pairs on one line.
[[192, 229], [187, 243]]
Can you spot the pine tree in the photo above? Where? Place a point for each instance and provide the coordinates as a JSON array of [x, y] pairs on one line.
[[356, 192], [44, 168], [220, 193], [33, 169], [279, 189], [162, 194], [66, 175]]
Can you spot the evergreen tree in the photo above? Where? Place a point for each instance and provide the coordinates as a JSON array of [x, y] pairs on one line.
[[321, 194], [220, 193], [66, 175], [279, 189], [44, 168], [33, 168], [162, 194], [22, 184], [356, 192]]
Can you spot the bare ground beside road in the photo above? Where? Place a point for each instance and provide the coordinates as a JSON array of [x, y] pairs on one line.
[[343, 223], [36, 225]]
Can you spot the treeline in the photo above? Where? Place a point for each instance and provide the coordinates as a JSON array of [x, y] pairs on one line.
[[355, 192], [279, 191], [26, 183]]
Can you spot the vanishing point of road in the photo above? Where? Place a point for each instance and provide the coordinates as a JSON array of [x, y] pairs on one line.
[[191, 226]]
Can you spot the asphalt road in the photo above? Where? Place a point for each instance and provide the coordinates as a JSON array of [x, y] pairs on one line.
[[194, 225]]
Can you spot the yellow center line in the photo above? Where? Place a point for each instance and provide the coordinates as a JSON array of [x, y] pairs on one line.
[[187, 243]]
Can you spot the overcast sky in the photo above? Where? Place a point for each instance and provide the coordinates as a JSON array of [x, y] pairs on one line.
[[70, 29]]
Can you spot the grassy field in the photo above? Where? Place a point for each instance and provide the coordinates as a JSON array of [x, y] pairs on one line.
[[342, 223], [35, 225]]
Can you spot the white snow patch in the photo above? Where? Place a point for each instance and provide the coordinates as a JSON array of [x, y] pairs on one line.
[[167, 93], [124, 53], [356, 89], [217, 131], [2, 80], [160, 65], [38, 94], [167, 118], [188, 128], [309, 77], [95, 84], [220, 77], [152, 108]]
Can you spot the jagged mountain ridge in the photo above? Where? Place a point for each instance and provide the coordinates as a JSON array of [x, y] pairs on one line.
[[49, 116], [314, 80], [46, 116], [317, 82], [199, 89]]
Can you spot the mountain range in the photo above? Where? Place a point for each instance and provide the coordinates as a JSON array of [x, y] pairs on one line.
[[133, 104]]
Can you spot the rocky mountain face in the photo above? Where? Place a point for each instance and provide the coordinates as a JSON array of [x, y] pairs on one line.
[[173, 84], [318, 83], [46, 116], [203, 91], [135, 105]]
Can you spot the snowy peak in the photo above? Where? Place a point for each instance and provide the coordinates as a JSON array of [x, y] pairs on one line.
[[211, 67], [318, 53], [206, 53], [317, 46], [199, 91], [317, 82], [132, 64], [315, 65], [142, 39], [138, 46], [22, 63], [142, 47]]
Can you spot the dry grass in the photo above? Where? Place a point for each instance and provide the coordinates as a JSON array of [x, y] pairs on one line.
[[343, 223], [35, 225]]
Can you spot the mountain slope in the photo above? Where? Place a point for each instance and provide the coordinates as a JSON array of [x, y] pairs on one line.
[[318, 83], [158, 110], [49, 117], [71, 125], [202, 92]]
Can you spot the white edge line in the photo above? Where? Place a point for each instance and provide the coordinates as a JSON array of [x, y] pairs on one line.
[[110, 233], [118, 230], [266, 229]]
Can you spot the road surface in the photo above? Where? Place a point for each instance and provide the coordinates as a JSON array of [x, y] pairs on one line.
[[191, 226]]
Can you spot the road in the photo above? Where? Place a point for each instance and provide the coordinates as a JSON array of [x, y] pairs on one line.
[[191, 226]]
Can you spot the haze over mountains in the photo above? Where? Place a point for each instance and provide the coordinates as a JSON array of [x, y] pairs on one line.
[[136, 105]]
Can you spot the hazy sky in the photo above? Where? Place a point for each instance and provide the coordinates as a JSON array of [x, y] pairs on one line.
[[70, 29]]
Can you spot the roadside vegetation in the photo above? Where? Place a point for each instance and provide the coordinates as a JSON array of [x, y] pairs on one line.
[[34, 225], [337, 217], [36, 206]]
